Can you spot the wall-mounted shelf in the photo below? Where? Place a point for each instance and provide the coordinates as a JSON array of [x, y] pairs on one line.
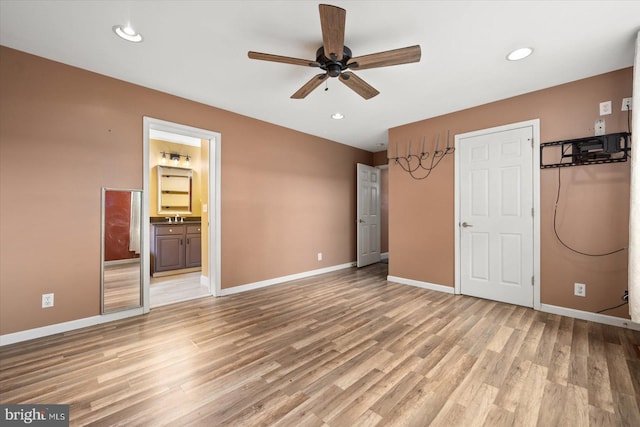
[[591, 150], [174, 190]]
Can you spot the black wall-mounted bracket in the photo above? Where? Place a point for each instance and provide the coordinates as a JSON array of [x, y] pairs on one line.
[[610, 148]]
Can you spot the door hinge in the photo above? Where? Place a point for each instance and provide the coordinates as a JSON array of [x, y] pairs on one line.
[[531, 142], [533, 212], [533, 281]]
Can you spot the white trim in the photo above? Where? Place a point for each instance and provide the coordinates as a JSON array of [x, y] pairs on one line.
[[419, 284], [204, 280], [215, 238], [58, 328], [384, 255], [592, 317], [214, 212], [278, 280], [382, 167], [535, 125]]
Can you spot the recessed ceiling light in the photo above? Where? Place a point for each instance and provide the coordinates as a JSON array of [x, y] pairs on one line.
[[519, 54], [337, 116], [127, 33]]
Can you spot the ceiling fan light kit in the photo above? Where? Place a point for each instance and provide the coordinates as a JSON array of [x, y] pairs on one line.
[[335, 59]]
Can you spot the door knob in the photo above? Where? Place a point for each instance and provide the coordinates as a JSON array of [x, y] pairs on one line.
[[465, 225]]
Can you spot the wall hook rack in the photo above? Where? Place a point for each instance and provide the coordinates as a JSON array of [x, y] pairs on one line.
[[419, 166]]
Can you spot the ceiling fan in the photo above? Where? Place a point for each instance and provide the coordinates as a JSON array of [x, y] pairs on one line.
[[334, 58]]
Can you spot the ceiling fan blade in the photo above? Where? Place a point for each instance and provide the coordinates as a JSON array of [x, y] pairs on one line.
[[283, 59], [358, 85], [332, 20], [309, 86], [403, 55]]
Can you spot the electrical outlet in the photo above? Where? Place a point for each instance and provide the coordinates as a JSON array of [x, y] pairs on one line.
[[605, 108], [627, 104], [319, 256], [599, 127], [580, 289], [47, 300]]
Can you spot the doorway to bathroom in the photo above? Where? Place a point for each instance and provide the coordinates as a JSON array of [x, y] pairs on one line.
[[181, 210]]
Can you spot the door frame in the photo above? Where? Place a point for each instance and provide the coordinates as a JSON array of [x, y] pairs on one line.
[[214, 211], [535, 125]]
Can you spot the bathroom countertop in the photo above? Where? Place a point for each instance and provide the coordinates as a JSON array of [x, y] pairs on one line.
[[186, 221]]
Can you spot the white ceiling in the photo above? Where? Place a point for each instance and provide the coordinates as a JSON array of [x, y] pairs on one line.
[[198, 50]]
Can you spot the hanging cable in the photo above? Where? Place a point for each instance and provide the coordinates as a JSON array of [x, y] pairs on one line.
[[611, 308], [555, 229]]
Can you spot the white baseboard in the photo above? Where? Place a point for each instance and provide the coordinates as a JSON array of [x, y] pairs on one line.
[[547, 308], [278, 280], [419, 284], [593, 317], [57, 328], [67, 326], [384, 255], [96, 320]]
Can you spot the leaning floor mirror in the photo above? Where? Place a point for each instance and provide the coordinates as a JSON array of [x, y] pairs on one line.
[[121, 272]]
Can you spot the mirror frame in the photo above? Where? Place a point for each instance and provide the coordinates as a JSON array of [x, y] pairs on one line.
[[102, 248]]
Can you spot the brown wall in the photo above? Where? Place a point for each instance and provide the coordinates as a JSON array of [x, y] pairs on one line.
[[593, 212], [67, 132]]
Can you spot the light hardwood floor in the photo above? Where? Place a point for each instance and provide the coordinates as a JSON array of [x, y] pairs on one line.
[[343, 349], [181, 287]]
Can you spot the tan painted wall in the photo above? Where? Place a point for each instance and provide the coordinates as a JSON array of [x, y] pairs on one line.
[[594, 203], [66, 132]]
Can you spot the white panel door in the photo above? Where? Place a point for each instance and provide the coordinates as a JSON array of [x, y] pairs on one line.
[[368, 215], [496, 216]]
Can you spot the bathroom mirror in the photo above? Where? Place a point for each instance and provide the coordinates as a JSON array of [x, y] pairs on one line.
[[121, 272]]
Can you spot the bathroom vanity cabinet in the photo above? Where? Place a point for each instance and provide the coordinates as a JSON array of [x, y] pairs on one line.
[[175, 247]]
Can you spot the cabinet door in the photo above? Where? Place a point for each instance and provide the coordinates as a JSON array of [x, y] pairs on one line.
[[170, 252], [194, 250]]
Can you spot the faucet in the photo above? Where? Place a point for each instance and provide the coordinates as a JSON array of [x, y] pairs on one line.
[[177, 217]]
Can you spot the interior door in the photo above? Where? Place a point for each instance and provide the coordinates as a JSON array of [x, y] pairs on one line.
[[496, 215], [368, 215]]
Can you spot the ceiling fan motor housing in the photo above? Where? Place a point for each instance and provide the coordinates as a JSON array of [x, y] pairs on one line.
[[332, 66]]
